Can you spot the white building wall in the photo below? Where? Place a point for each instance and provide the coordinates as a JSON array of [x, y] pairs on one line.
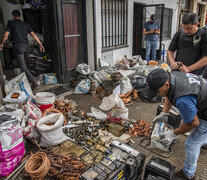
[[118, 54], [90, 32], [7, 9]]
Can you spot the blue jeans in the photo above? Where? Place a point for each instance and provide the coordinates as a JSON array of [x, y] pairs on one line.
[[192, 147], [151, 46]]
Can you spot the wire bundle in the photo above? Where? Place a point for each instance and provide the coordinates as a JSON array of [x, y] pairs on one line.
[[65, 167], [38, 165]]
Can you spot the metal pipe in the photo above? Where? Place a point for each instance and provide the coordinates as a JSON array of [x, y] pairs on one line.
[[94, 34], [105, 27]]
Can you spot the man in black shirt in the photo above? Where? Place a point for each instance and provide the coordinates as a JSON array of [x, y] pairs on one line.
[[19, 31], [190, 45]]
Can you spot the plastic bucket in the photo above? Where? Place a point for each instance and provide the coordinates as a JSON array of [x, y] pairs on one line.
[[45, 100]]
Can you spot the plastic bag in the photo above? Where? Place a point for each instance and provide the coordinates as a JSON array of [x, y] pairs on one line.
[[123, 64], [19, 83], [21, 97], [29, 122], [83, 68], [126, 85], [11, 143], [83, 87], [50, 128], [139, 82], [104, 76], [117, 114], [111, 101], [98, 114], [158, 130], [50, 79]]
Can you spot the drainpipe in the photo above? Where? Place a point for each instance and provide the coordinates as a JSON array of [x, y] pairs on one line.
[[94, 33]]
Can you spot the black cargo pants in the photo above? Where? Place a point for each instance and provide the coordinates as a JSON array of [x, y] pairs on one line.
[[19, 52]]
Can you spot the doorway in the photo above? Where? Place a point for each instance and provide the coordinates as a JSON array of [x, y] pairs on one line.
[[74, 25], [141, 15]]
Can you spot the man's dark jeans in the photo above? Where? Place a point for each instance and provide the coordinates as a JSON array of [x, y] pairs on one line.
[[19, 52]]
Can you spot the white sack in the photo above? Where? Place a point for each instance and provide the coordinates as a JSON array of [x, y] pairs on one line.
[[51, 135]]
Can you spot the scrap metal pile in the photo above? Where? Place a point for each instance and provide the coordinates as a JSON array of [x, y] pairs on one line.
[[54, 166], [126, 78], [57, 126]]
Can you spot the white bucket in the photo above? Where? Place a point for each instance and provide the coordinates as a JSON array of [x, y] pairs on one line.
[[45, 98]]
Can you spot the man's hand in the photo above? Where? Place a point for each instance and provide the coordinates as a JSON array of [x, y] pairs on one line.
[[42, 49], [169, 136], [162, 117], [184, 68], [1, 46], [176, 65]]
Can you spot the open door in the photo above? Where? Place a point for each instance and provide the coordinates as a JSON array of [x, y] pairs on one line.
[[71, 36], [74, 35], [141, 15]]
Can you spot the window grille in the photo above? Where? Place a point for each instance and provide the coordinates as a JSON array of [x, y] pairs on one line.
[[167, 22], [114, 22]]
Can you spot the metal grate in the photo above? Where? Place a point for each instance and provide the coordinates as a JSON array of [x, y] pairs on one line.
[[167, 21], [114, 22]]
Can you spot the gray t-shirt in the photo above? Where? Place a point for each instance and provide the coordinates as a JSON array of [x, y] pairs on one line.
[[151, 26]]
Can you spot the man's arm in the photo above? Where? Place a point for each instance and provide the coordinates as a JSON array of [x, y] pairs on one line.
[[6, 34], [199, 64], [167, 106], [183, 128], [144, 32], [170, 57], [42, 49]]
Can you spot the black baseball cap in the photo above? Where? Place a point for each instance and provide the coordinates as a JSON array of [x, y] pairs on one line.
[[153, 17], [155, 80]]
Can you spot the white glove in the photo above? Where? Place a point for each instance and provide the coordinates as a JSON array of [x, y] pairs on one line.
[[162, 117], [169, 136]]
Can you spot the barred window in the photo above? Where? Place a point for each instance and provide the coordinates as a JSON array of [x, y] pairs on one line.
[[114, 22], [167, 22]]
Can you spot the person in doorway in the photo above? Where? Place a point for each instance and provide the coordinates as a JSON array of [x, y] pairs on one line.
[[19, 31], [205, 25], [190, 45], [151, 31], [187, 92]]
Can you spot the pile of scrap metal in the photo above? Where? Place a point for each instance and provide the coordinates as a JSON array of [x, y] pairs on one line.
[[52, 165], [121, 161], [126, 78], [141, 128]]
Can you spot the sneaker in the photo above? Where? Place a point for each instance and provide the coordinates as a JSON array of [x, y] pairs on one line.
[[180, 175]]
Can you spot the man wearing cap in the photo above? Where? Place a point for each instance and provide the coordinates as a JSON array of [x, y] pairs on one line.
[[151, 30], [187, 92], [187, 51]]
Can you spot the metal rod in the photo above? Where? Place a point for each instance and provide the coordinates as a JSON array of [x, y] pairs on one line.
[[109, 21], [17, 171], [105, 27], [126, 21], [112, 8], [118, 22], [122, 22], [94, 34], [101, 21], [76, 35], [115, 23]]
